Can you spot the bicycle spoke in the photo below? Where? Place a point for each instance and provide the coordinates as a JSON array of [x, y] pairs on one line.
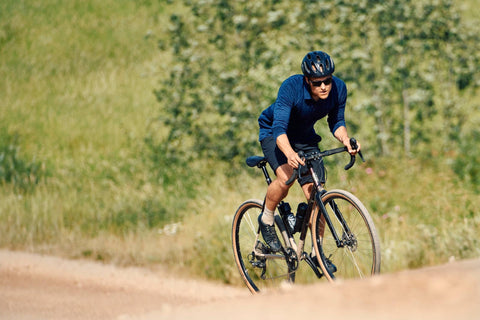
[[251, 223], [354, 261]]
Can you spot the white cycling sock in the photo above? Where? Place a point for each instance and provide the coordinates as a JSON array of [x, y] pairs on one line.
[[267, 217]]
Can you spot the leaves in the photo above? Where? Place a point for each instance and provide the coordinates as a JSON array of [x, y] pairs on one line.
[[229, 58]]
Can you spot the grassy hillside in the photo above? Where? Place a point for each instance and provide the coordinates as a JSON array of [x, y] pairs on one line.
[[78, 86], [77, 103]]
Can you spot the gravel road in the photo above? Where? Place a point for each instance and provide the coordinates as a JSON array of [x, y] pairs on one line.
[[41, 287]]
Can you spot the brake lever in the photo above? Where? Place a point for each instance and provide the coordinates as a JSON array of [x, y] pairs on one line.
[[353, 143], [301, 154], [351, 163], [292, 178], [297, 171], [361, 156]]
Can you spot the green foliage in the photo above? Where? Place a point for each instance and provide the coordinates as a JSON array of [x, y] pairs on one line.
[[15, 169], [229, 57], [224, 71], [396, 62], [466, 162], [215, 87]]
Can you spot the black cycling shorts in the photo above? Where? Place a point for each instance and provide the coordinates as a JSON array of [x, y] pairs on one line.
[[275, 158]]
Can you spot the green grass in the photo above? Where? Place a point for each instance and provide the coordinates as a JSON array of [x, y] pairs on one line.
[[77, 89], [79, 95]]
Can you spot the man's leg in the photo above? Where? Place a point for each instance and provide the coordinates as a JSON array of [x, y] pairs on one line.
[[307, 189], [276, 192]]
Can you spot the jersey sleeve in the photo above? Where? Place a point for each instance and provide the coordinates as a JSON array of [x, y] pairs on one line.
[[336, 117], [283, 107]]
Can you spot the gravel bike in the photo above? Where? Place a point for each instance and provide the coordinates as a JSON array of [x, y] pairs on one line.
[[344, 241]]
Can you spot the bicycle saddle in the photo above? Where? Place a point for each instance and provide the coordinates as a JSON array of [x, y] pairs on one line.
[[256, 161]]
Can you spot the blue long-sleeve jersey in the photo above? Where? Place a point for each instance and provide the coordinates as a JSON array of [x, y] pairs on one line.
[[294, 112]]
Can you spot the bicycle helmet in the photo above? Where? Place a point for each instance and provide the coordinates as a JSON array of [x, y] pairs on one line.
[[317, 64]]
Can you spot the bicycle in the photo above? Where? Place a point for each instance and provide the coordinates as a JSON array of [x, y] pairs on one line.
[[345, 243]]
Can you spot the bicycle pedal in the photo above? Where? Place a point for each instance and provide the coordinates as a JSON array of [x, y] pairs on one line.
[[312, 265], [331, 267], [314, 260]]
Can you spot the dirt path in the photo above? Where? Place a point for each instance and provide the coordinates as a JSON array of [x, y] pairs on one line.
[[41, 287]]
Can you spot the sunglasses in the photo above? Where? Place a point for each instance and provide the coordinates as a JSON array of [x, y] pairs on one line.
[[318, 83]]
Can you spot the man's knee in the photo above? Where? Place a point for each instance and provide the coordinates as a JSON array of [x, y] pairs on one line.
[[281, 185], [283, 173]]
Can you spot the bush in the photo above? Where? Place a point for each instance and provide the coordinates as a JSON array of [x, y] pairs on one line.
[[15, 169], [465, 165]]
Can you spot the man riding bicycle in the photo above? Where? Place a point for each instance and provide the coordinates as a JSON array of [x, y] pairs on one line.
[[287, 127]]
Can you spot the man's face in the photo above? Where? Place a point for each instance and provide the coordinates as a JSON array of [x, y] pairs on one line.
[[320, 87]]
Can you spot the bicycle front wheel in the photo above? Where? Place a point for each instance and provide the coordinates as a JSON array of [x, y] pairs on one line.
[[356, 251], [258, 271]]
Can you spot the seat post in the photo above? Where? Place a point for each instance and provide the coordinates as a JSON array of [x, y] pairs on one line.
[[265, 173]]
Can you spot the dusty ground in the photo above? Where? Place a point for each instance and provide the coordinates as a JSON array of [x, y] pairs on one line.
[[42, 287]]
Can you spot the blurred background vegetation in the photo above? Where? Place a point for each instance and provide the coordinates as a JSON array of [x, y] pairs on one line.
[[124, 124]]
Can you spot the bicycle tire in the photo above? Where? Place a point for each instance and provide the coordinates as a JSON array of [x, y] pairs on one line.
[[359, 256], [244, 238]]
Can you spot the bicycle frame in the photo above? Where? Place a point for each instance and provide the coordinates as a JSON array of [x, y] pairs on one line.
[[280, 221], [315, 200], [343, 237]]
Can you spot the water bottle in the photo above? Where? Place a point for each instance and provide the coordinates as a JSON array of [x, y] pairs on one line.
[[286, 211], [301, 210], [291, 222]]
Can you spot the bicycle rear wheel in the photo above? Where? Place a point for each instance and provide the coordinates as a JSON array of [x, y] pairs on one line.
[[357, 255], [258, 272]]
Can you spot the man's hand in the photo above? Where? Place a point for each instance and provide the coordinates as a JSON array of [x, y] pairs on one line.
[[294, 160], [342, 136], [346, 143]]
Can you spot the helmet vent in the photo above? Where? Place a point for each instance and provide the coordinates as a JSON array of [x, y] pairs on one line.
[[317, 64]]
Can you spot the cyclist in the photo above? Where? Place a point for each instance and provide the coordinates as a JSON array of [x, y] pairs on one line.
[[287, 127]]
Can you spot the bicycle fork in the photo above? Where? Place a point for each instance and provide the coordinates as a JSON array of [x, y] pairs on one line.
[[339, 242]]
